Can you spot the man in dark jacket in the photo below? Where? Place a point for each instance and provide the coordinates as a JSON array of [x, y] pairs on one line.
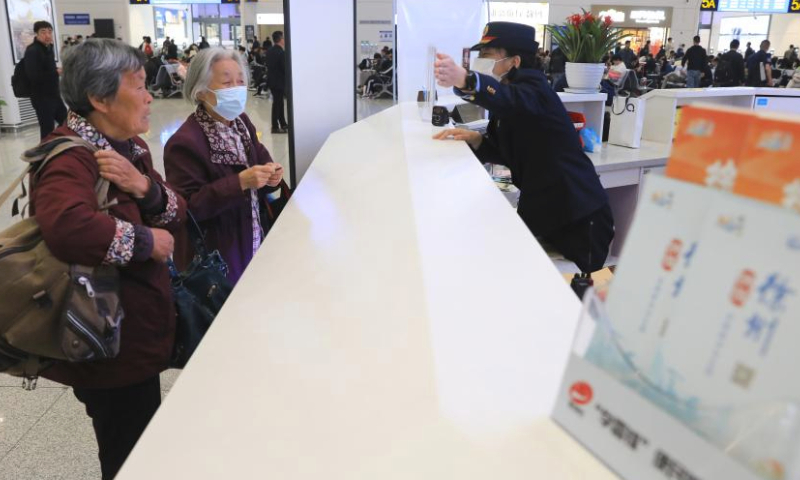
[[562, 201], [276, 81], [629, 57], [749, 51], [42, 73], [759, 67], [730, 69], [697, 60]]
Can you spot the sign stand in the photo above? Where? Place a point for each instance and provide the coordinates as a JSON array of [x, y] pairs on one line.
[[623, 419]]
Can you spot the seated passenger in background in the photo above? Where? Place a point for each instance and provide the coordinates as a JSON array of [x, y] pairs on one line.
[[216, 162], [616, 74]]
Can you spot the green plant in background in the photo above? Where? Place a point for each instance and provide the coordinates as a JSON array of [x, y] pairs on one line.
[[2, 103], [585, 38]]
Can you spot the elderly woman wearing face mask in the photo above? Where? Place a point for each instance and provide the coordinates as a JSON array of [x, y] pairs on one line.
[[109, 107], [217, 163]]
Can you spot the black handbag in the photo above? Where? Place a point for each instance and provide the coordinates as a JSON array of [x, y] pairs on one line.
[[199, 293]]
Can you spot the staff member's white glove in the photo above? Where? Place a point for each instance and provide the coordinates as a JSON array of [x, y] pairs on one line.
[[448, 73]]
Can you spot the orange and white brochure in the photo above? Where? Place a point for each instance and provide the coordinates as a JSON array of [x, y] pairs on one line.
[[770, 164], [708, 145]]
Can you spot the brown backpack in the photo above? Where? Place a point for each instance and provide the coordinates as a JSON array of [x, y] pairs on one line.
[[49, 310]]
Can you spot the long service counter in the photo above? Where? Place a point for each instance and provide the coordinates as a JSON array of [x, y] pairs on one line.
[[400, 321]]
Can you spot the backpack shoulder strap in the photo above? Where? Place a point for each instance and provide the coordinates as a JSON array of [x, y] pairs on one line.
[[17, 182], [41, 155]]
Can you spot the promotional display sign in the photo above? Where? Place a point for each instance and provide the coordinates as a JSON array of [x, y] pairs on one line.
[[689, 362], [708, 145], [769, 168], [630, 434]]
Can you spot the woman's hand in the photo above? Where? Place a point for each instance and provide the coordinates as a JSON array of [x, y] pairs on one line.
[[120, 171], [473, 139], [163, 245], [261, 175], [448, 73], [277, 176]]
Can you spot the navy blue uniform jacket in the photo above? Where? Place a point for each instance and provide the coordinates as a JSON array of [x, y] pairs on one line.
[[530, 133]]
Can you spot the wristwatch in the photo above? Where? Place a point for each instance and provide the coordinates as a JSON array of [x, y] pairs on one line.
[[471, 81]]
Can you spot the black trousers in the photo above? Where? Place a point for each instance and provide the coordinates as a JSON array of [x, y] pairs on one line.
[[278, 117], [50, 112], [119, 416], [587, 241]]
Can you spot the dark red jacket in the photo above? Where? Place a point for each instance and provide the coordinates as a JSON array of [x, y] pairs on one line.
[[215, 196], [65, 206]]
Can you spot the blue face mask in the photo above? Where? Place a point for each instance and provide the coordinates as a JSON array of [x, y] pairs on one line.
[[230, 102]]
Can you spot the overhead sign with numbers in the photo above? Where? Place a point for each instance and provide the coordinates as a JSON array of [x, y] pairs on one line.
[[754, 6], [794, 6]]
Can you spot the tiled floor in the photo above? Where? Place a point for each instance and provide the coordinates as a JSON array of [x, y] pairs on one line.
[[45, 434]]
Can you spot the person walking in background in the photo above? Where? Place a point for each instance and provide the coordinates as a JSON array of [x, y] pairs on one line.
[[276, 81], [147, 47], [759, 67], [645, 51], [203, 43], [558, 65], [748, 52], [696, 61], [628, 55], [670, 47], [42, 73], [730, 68]]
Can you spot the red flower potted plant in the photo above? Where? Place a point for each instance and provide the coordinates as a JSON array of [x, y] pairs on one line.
[[585, 39]]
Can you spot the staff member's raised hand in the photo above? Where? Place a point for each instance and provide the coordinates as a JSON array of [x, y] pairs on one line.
[[473, 139], [448, 73]]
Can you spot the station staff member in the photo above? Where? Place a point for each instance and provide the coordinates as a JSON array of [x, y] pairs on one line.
[[561, 200]]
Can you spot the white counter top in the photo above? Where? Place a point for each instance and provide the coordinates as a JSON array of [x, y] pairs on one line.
[[722, 92], [582, 97], [614, 157], [380, 333]]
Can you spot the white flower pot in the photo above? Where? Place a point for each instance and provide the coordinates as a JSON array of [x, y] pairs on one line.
[[585, 76]]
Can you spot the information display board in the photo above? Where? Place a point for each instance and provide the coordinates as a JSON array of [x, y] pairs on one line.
[[754, 6]]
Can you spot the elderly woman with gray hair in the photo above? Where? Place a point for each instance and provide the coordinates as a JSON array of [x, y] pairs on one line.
[[103, 85], [217, 163]]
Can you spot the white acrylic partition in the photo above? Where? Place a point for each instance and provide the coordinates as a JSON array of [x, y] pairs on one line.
[[448, 25], [662, 105], [380, 332]]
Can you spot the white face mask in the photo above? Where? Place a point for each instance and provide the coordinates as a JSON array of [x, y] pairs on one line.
[[486, 67], [230, 102]]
